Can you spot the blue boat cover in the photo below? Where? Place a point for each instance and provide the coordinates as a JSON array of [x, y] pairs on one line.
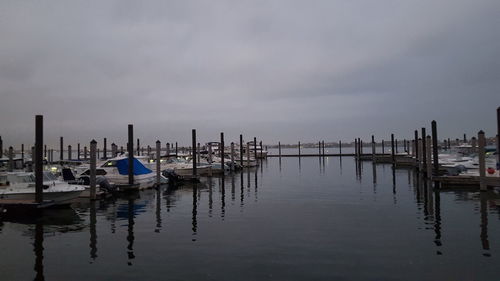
[[139, 168]]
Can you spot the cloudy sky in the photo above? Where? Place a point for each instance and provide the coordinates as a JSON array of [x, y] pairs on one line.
[[279, 70]]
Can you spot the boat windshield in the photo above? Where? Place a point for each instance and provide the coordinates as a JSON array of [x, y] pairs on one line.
[[48, 176], [110, 163], [25, 178]]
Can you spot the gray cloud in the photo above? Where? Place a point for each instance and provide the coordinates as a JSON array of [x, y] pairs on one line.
[[279, 70]]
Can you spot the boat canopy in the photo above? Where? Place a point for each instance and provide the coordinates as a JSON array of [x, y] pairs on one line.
[[139, 168]]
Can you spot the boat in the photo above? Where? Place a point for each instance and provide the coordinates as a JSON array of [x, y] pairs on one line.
[[21, 186], [116, 171]]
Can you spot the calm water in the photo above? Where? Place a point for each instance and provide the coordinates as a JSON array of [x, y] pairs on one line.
[[291, 220]]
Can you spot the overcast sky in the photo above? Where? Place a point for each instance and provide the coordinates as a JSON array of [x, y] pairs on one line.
[[278, 70]]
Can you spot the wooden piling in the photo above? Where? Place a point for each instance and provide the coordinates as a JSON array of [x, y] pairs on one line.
[[210, 154], [413, 148], [241, 150], [130, 150], [383, 147], [93, 164], [232, 157], [424, 146], [356, 148], [98, 153], [360, 147], [255, 148], [69, 152], [319, 148], [158, 161], [11, 159], [61, 142], [420, 152], [435, 158], [78, 151], [195, 166], [299, 149], [393, 155], [105, 148], [396, 144], [114, 151], [85, 153], [38, 159], [1, 147], [22, 155], [45, 151], [340, 148], [428, 166], [168, 149], [498, 138], [222, 151], [449, 143], [260, 145], [138, 147], [279, 149], [482, 164], [416, 145], [248, 154], [373, 148], [176, 149], [465, 138]]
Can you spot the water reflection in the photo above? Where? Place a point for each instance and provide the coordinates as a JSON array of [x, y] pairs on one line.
[[223, 197], [484, 223], [233, 188], [194, 218], [130, 231], [374, 173], [242, 193], [38, 249], [158, 210], [255, 185], [93, 231], [437, 222]]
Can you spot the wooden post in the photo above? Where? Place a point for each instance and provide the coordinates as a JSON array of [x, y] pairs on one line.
[[69, 152], [158, 160], [248, 154], [404, 145], [61, 142], [11, 159], [222, 151], [138, 147], [105, 149], [168, 149], [45, 151], [373, 148], [38, 159], [413, 148], [52, 156], [98, 153], [232, 156], [198, 147], [435, 157], [465, 138], [323, 144], [130, 150], [340, 148], [360, 147], [319, 148], [114, 149], [299, 148], [420, 152], [396, 143], [416, 145], [356, 148], [255, 148], [241, 150], [121, 149], [449, 143], [498, 138], [78, 151], [210, 154], [383, 147], [176, 150], [195, 166], [85, 153], [22, 155], [393, 155], [279, 149], [424, 147], [93, 164], [1, 147], [428, 166], [482, 164], [260, 145]]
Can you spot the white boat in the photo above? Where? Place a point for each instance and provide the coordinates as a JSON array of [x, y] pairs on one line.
[[116, 171], [184, 167], [21, 186], [261, 153]]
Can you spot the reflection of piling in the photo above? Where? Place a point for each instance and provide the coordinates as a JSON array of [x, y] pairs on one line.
[[93, 162], [38, 159], [482, 164]]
